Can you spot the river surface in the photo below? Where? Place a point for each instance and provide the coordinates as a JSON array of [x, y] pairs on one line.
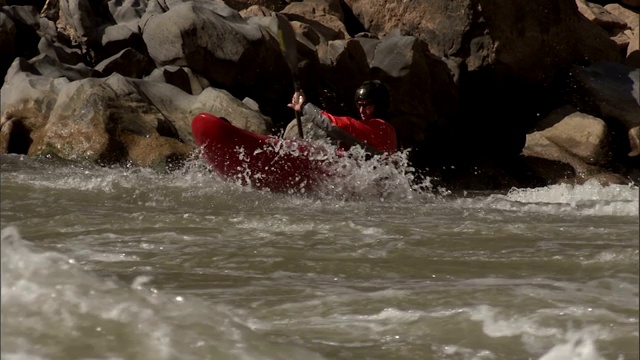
[[128, 263]]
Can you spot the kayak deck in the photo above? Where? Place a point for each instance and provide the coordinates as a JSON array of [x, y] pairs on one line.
[[259, 161]]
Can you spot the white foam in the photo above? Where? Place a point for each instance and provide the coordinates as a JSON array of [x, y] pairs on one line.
[[51, 304], [590, 198], [579, 345]]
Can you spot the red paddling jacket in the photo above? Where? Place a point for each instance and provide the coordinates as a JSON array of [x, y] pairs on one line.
[[374, 135]]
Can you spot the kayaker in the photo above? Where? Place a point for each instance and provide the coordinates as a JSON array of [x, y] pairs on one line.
[[370, 132]]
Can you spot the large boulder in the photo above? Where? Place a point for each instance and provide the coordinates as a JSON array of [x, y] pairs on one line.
[[491, 33], [93, 122], [611, 91], [31, 87], [7, 44], [216, 42], [582, 135]]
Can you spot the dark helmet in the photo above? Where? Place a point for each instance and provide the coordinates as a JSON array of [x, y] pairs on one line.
[[375, 91]]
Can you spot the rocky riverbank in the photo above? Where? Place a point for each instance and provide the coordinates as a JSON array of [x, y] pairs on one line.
[[487, 94]]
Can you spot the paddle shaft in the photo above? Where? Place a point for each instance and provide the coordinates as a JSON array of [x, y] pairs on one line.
[[296, 88], [287, 40]]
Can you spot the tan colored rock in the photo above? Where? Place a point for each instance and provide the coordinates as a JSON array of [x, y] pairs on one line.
[[154, 151], [538, 145], [622, 38], [582, 135], [78, 127], [255, 10], [324, 16], [17, 127], [633, 50], [634, 141], [631, 17], [598, 14], [238, 5]]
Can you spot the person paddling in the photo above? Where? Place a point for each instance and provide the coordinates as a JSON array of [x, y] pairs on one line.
[[371, 132]]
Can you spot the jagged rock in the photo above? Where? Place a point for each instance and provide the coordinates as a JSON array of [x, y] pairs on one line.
[[599, 15], [116, 38], [60, 52], [77, 21], [180, 107], [541, 147], [49, 67], [631, 18], [7, 45], [254, 10], [127, 13], [28, 96], [492, 33], [92, 121], [612, 92], [127, 62], [26, 23], [17, 125], [633, 50], [324, 16], [79, 123], [272, 5], [181, 77], [223, 48], [582, 135]]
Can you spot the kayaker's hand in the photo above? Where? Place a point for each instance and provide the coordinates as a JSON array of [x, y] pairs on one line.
[[297, 101]]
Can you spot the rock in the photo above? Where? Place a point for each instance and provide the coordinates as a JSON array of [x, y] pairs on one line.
[[634, 141], [272, 5], [539, 146], [78, 22], [26, 24], [599, 15], [181, 77], [117, 38], [610, 91], [60, 52], [15, 135], [222, 47], [582, 135], [48, 66], [633, 50], [128, 62], [630, 17], [255, 10], [324, 16], [180, 108], [29, 96], [78, 128], [493, 33], [7, 45], [108, 122], [127, 13]]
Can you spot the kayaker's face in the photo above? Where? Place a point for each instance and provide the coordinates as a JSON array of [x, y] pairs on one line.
[[366, 109]]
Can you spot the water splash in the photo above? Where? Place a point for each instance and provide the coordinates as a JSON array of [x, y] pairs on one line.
[[52, 308], [591, 198], [579, 345]]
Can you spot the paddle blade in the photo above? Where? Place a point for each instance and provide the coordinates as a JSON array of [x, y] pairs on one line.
[[287, 40]]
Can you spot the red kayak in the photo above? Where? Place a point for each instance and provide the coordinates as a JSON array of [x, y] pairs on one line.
[[260, 161]]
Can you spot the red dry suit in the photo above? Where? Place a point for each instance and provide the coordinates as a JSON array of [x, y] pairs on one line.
[[376, 133]]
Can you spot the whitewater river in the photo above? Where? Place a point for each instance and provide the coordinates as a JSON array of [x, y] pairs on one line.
[[117, 263]]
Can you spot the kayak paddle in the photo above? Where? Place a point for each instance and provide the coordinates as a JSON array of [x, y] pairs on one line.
[[287, 40]]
